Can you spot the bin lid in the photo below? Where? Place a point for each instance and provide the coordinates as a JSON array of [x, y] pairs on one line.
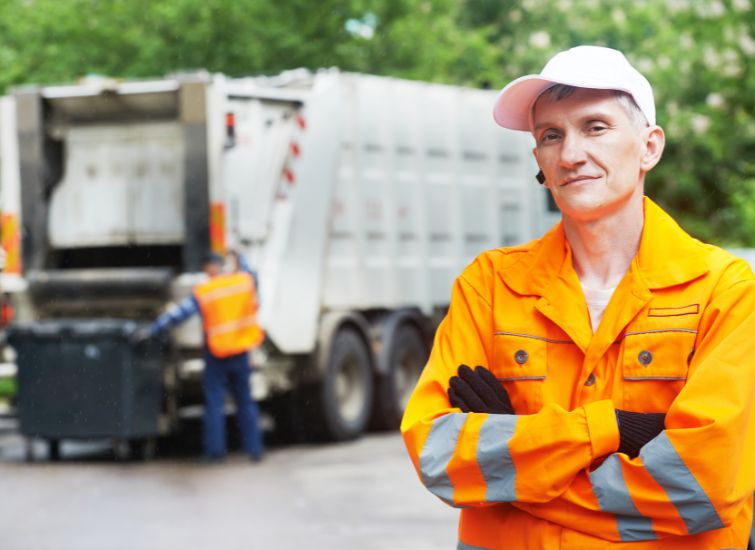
[[83, 328]]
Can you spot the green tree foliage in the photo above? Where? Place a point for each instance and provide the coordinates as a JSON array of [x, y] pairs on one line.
[[59, 40], [698, 55]]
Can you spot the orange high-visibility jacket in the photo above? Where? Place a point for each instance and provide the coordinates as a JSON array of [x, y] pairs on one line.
[[678, 337], [229, 313]]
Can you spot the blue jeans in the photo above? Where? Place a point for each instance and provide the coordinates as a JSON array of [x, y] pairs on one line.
[[222, 375]]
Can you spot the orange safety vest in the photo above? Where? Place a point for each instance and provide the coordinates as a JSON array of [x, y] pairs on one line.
[[228, 304], [678, 337]]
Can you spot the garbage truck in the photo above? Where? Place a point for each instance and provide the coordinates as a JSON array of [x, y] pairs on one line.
[[357, 199]]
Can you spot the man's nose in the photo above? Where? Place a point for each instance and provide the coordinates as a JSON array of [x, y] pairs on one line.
[[573, 151]]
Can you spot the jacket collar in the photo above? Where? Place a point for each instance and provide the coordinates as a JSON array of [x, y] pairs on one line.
[[667, 256]]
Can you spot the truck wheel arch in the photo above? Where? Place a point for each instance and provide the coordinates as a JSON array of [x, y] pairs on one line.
[[389, 331], [330, 323], [402, 354]]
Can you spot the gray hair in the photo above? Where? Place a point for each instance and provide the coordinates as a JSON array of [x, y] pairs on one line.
[[627, 102]]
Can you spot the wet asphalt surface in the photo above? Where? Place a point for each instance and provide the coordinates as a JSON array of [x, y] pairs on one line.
[[357, 495]]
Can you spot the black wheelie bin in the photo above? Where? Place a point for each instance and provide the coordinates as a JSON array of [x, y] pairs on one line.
[[88, 379]]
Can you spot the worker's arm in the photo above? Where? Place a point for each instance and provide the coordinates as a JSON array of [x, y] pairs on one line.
[[244, 266], [175, 315], [477, 459], [698, 473]]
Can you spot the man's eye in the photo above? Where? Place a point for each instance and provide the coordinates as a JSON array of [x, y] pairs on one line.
[[597, 128], [548, 137]]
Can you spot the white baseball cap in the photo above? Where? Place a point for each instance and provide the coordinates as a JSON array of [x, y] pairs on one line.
[[583, 67]]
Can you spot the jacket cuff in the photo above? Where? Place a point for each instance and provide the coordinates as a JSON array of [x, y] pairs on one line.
[[602, 427]]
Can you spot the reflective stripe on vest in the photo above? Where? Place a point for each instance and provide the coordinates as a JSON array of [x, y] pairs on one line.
[[232, 325]]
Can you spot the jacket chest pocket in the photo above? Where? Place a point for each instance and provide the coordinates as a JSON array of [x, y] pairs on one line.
[[654, 366], [520, 364]]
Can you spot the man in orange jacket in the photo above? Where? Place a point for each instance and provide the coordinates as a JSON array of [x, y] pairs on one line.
[[593, 388], [228, 305]]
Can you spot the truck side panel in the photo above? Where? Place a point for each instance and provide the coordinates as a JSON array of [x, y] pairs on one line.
[[425, 182]]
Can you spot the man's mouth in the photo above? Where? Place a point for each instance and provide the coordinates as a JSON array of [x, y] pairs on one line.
[[576, 179]]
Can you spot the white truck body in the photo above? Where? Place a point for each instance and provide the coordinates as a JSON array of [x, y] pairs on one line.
[[397, 185], [354, 197], [10, 198]]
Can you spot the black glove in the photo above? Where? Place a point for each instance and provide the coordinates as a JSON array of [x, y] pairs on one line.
[[141, 335], [636, 429], [478, 391]]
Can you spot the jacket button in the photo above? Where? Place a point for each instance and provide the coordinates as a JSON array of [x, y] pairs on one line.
[[645, 357], [590, 379], [521, 356]]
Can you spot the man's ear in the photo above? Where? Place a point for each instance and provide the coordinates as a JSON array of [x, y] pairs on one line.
[[654, 142]]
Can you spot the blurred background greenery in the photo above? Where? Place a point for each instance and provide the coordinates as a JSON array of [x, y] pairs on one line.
[[7, 387], [698, 54]]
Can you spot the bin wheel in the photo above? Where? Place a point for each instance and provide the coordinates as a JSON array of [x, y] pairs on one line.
[[121, 449], [142, 449], [29, 449], [53, 449]]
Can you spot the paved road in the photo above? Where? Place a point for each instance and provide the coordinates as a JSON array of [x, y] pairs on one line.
[[359, 495]]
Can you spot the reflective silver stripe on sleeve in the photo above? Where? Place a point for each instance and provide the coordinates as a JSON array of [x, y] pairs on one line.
[[494, 459], [437, 452], [611, 490], [665, 465]]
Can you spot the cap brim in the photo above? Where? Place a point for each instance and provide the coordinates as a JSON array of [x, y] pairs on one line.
[[514, 103], [513, 108]]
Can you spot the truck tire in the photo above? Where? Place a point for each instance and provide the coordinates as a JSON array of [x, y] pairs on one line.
[[407, 358], [343, 398]]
